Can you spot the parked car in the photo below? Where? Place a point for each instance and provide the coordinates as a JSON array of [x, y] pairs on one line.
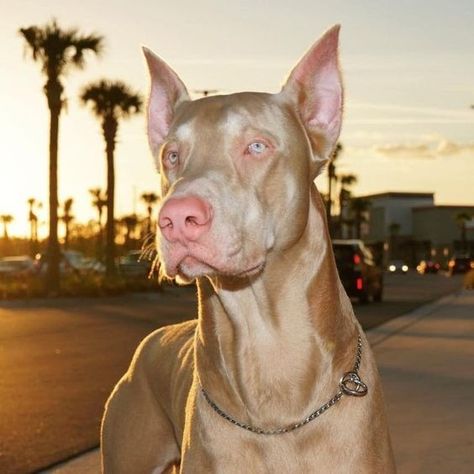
[[361, 277], [428, 266], [71, 261], [397, 266], [460, 264], [132, 265], [16, 267]]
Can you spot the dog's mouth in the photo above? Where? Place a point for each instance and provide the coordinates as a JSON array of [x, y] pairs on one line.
[[191, 267]]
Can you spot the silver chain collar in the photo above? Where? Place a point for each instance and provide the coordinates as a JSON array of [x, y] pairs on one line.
[[349, 384]]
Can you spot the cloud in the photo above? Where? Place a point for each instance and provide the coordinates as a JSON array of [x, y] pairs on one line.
[[448, 148], [405, 151], [430, 150]]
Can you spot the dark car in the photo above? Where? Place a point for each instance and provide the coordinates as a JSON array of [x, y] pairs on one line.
[[428, 266], [460, 264], [133, 265], [16, 267], [361, 277]]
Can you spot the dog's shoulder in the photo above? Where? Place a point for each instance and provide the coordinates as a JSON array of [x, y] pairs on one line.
[[163, 349]]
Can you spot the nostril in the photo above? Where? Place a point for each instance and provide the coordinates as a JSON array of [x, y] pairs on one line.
[[166, 222], [193, 220]]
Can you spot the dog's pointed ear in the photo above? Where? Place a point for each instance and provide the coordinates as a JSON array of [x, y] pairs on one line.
[[315, 87], [167, 92]]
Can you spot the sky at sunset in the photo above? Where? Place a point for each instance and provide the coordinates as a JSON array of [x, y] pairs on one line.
[[408, 68]]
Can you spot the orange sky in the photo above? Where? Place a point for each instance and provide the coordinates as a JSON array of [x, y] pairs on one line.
[[408, 72]]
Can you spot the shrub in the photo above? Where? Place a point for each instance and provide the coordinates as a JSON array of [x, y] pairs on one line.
[[89, 284]]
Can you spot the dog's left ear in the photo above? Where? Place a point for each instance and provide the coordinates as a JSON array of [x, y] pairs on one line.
[[315, 87]]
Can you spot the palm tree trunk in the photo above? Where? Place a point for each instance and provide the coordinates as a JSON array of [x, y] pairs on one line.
[[53, 243], [100, 239], [110, 130], [66, 237], [149, 219]]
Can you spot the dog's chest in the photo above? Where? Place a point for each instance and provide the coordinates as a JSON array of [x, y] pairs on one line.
[[324, 446]]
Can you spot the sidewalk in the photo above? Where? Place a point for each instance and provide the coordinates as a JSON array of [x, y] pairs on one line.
[[426, 359]]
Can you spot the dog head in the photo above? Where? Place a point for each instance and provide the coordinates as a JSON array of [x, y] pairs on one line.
[[236, 170]]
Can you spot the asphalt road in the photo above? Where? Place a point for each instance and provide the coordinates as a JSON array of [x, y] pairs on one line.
[[60, 359]]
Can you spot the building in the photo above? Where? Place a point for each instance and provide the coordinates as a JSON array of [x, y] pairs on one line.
[[391, 213], [411, 227], [440, 226]]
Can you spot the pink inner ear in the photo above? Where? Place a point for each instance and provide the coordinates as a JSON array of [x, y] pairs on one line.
[[316, 81], [167, 91], [159, 117]]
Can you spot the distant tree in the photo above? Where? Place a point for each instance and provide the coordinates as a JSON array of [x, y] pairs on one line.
[[346, 181], [99, 201], [462, 218], [359, 208], [110, 102], [130, 223], [332, 176], [67, 218], [149, 199], [6, 220], [57, 51], [33, 219]]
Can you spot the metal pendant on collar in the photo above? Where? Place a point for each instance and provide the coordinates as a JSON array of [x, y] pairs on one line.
[[350, 384]]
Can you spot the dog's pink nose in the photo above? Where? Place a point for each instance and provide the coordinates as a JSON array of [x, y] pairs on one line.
[[184, 219]]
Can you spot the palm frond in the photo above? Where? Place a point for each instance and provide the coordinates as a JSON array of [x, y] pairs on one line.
[[111, 98], [58, 49]]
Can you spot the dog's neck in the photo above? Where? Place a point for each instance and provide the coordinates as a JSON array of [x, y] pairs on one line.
[[272, 348]]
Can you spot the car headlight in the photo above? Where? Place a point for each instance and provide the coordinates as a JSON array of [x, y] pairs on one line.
[[392, 268], [405, 268]]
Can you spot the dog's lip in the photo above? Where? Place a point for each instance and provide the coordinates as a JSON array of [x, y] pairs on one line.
[[193, 260], [252, 270]]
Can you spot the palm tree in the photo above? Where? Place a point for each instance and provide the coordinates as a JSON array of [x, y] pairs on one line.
[[332, 177], [57, 51], [33, 219], [6, 219], [359, 208], [346, 180], [110, 102], [99, 201], [130, 223], [461, 219], [67, 218], [149, 199]]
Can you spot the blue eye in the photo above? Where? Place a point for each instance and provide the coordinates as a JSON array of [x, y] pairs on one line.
[[171, 159], [257, 148]]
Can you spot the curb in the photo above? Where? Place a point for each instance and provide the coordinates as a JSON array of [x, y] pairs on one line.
[[394, 326]]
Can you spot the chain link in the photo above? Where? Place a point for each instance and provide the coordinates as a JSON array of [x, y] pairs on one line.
[[351, 377]]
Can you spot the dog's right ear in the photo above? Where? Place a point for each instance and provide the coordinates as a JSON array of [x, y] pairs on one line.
[[166, 93]]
